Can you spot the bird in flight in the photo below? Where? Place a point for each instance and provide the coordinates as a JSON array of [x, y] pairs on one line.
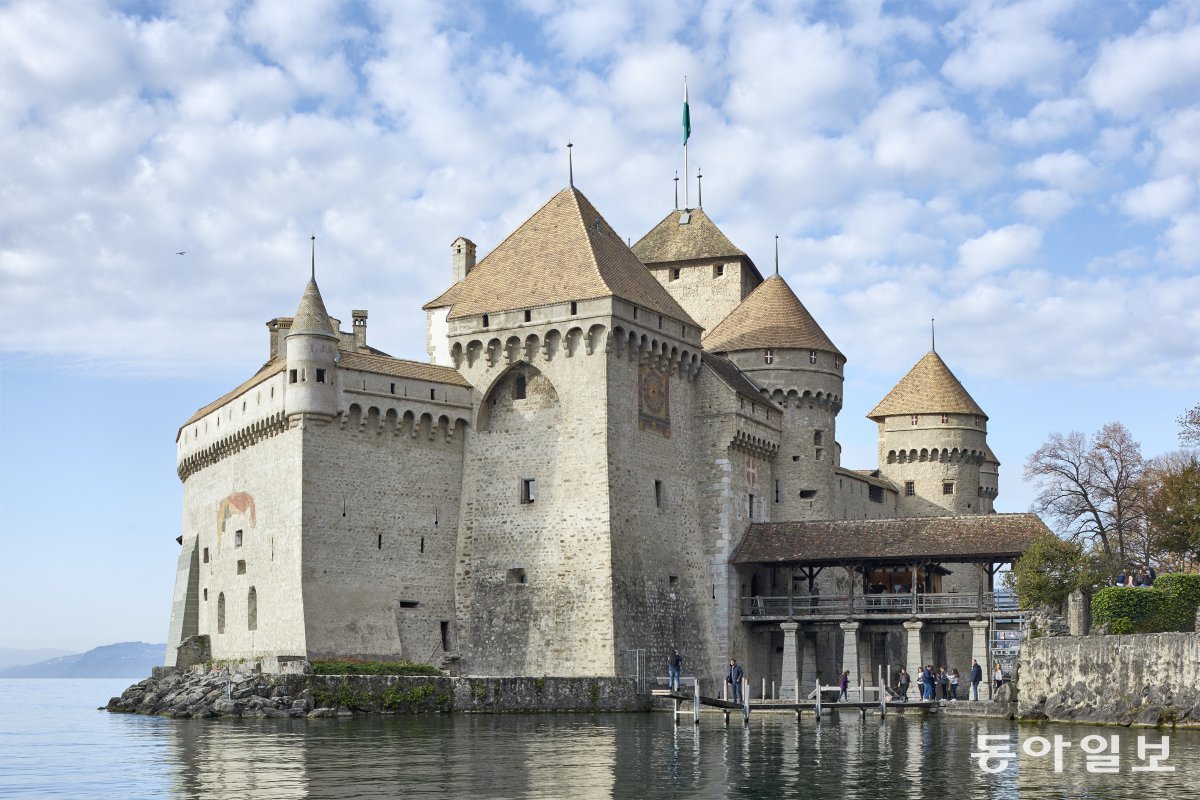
[[181, 252]]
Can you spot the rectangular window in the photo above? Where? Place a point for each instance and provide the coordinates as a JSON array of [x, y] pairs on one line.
[[977, 422], [914, 419], [237, 538], [658, 494], [408, 603], [778, 498], [206, 555], [875, 494], [635, 312], [812, 356], [528, 315], [320, 376], [206, 595], [945, 418], [910, 489], [445, 625], [660, 322], [393, 388], [673, 582], [718, 270], [820, 453], [817, 436], [292, 375], [837, 362], [241, 568], [768, 356], [574, 308], [433, 394], [948, 487], [517, 577], [751, 506], [675, 274], [528, 490], [485, 320]]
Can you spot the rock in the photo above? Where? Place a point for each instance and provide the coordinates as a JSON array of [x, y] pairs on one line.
[[226, 707], [344, 712], [323, 712], [301, 704]]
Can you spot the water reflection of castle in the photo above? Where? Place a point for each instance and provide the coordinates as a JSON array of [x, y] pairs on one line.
[[610, 449]]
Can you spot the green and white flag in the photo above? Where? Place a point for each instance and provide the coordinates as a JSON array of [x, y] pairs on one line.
[[687, 118]]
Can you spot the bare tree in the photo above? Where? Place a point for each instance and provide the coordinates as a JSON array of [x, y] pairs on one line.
[[1189, 427], [1093, 490]]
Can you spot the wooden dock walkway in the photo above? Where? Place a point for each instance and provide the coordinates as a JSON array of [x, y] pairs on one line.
[[691, 703]]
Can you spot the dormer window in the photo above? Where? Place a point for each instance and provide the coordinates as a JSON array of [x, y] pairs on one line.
[[812, 356], [768, 356]]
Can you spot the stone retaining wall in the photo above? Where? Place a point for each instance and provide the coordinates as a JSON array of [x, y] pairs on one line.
[[226, 692], [1144, 679]]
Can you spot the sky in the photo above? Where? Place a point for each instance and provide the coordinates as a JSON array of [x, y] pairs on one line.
[[1027, 173]]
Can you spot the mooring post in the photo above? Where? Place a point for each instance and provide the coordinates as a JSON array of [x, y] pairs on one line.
[[818, 699], [726, 712], [746, 700], [882, 702], [696, 702], [764, 689], [676, 702]]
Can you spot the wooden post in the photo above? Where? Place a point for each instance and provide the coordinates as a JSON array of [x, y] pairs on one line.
[[746, 699], [882, 702], [818, 699], [764, 688], [696, 702], [774, 696]]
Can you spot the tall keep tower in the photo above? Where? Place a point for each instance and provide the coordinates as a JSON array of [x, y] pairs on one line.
[[933, 443], [773, 339]]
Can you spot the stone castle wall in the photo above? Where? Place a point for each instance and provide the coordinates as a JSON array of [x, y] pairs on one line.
[[1146, 679], [931, 454], [705, 295]]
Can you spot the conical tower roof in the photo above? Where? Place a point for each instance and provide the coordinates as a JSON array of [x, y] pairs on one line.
[[673, 239], [565, 251], [772, 316], [311, 317], [928, 388]]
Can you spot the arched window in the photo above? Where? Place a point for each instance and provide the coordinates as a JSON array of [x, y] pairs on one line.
[[221, 613], [252, 610]]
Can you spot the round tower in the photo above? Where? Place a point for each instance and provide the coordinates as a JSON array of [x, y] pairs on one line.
[[776, 343], [312, 350], [933, 443]]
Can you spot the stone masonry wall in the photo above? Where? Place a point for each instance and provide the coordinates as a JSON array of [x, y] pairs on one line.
[[707, 297], [1147, 679]]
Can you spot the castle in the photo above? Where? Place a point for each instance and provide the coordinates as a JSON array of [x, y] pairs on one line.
[[612, 450]]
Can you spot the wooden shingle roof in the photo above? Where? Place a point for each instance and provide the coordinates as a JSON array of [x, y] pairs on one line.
[[445, 299], [771, 316], [401, 368], [311, 317], [946, 539], [928, 388], [733, 377], [565, 251], [698, 238]]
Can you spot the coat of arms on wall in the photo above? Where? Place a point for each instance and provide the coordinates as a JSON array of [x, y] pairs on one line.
[[654, 402]]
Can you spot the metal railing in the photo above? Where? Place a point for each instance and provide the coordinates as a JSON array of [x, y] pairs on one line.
[[840, 605]]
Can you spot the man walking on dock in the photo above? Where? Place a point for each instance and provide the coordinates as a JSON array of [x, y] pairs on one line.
[[674, 665], [735, 677], [976, 677]]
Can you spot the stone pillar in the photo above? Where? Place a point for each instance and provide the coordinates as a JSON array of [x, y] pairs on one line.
[[979, 652], [912, 650], [1079, 613], [850, 650], [789, 675]]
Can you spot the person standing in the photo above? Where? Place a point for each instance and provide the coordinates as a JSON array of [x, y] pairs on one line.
[[943, 679], [976, 677], [928, 682], [734, 678], [997, 678], [954, 679], [902, 683], [674, 665], [844, 686]]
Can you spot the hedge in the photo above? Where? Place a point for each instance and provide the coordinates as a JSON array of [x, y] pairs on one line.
[[350, 666], [1169, 605], [1182, 596]]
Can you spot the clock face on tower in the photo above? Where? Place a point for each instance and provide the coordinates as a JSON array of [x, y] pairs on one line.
[[654, 407]]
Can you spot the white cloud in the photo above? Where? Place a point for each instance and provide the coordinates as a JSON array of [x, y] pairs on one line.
[[1044, 205], [1139, 73], [1068, 171], [1183, 241], [1159, 199], [1050, 120], [1005, 45], [1000, 249]]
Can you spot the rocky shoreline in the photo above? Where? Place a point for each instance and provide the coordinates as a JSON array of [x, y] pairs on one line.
[[227, 692]]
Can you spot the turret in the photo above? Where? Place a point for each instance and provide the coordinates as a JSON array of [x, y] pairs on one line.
[[312, 348], [773, 339], [933, 443]]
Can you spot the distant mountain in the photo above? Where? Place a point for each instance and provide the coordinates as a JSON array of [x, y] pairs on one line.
[[14, 656], [124, 660]]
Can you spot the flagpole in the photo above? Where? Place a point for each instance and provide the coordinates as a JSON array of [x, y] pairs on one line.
[[687, 130]]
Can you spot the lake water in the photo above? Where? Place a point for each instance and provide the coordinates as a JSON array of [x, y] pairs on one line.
[[55, 744]]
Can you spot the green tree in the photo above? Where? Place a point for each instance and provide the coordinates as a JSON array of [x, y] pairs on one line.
[[1053, 568], [1173, 511]]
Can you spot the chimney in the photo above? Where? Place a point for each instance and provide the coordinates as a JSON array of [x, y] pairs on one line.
[[462, 258], [279, 328], [360, 328]]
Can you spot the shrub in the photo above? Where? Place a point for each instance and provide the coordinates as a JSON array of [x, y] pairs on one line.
[[350, 666], [1180, 598], [1128, 610]]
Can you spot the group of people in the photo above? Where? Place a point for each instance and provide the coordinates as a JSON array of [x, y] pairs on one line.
[[931, 681], [1131, 578]]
